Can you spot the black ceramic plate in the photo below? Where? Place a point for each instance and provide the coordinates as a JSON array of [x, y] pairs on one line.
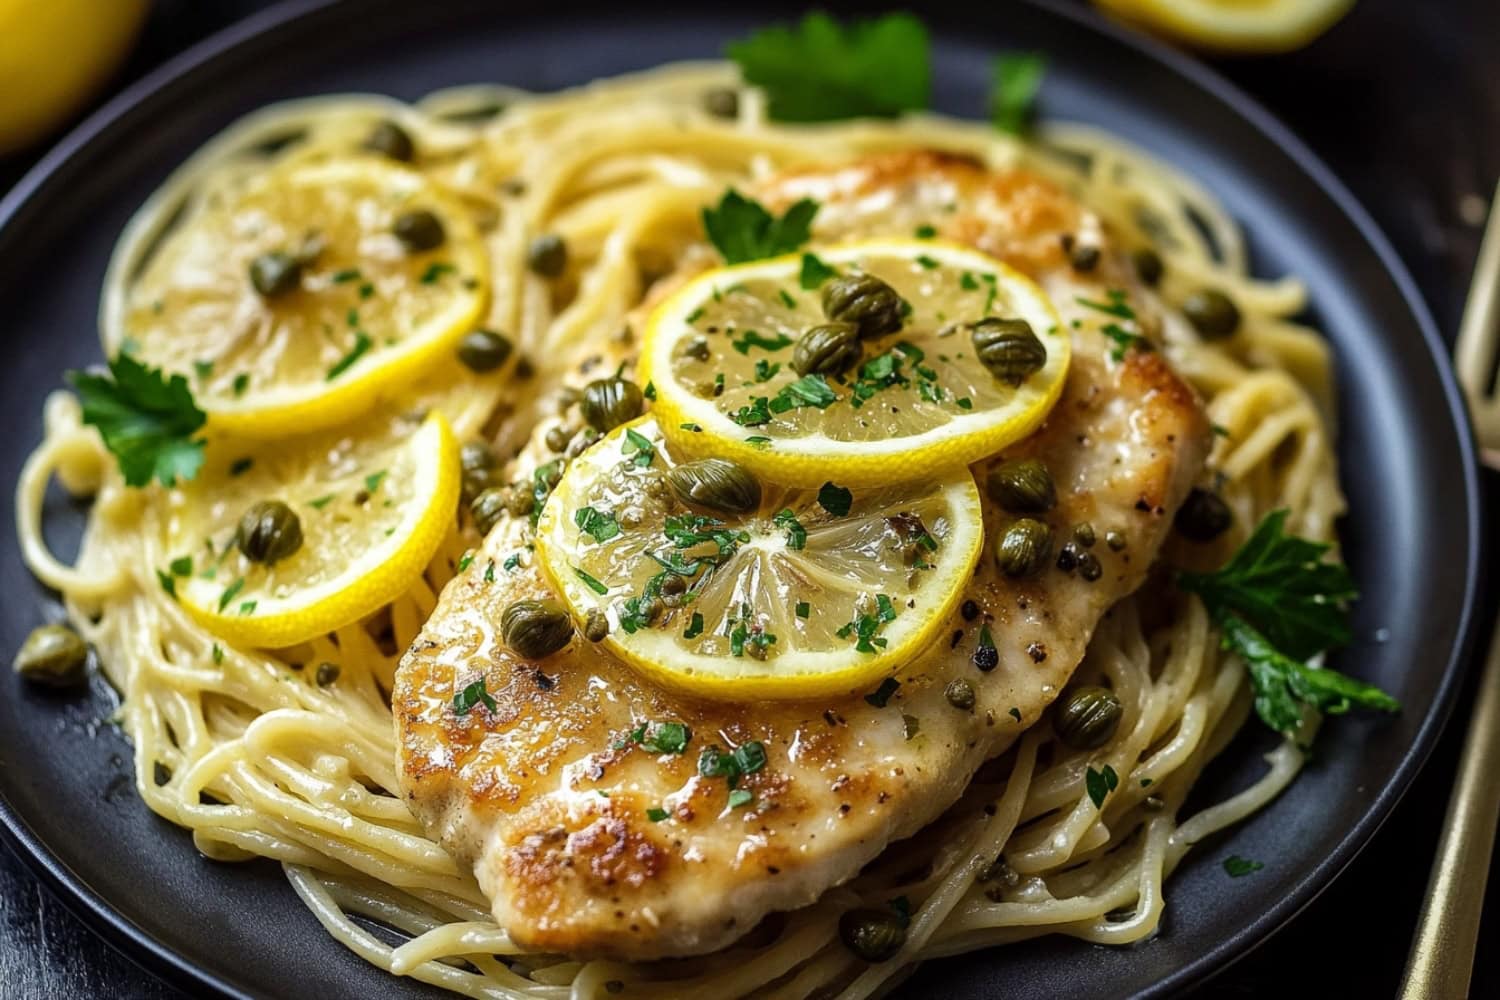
[[1411, 537]]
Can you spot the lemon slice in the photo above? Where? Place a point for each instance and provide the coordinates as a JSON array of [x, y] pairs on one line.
[[813, 592], [720, 355], [366, 311], [1235, 25], [372, 510]]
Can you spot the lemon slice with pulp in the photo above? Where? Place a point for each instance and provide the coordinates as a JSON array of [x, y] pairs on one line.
[[370, 511], [290, 307], [1235, 25], [750, 590], [727, 358]]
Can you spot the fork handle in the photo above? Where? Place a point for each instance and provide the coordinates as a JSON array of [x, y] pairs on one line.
[[1442, 955]]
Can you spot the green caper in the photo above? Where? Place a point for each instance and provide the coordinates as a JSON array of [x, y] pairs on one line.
[[1083, 534], [1203, 516], [389, 139], [269, 532], [276, 274], [872, 935], [419, 230], [1089, 566], [1115, 540], [328, 673], [478, 467], [1087, 717], [697, 349], [596, 626], [715, 483], [1148, 266], [547, 255], [1008, 348], [722, 102], [53, 655], [829, 349], [488, 507], [1024, 548], [672, 589], [1022, 486], [520, 500], [483, 350], [864, 300], [960, 694], [558, 436], [536, 629], [609, 402], [1213, 313]]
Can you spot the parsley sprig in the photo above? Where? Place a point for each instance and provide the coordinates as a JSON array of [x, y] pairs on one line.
[[743, 230], [1017, 79], [146, 418], [1277, 603]]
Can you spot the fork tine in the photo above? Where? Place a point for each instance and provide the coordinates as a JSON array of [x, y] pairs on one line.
[[1479, 334]]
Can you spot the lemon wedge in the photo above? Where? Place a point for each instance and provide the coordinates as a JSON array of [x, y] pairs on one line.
[[788, 593], [724, 359], [370, 509], [1234, 25], [347, 310]]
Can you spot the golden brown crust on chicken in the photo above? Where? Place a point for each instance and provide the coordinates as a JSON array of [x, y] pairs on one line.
[[547, 798]]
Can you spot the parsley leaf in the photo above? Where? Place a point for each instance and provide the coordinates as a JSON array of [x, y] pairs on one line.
[[656, 815], [740, 797], [662, 737], [147, 420], [809, 390], [472, 695], [881, 696], [796, 534], [743, 230], [598, 525], [820, 70], [1018, 77], [1237, 866], [1100, 783], [362, 343], [641, 445], [814, 272], [591, 582], [752, 338]]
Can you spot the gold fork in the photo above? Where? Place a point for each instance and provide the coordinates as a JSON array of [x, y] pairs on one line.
[[1442, 954]]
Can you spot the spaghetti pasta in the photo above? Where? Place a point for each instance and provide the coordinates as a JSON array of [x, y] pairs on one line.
[[258, 760]]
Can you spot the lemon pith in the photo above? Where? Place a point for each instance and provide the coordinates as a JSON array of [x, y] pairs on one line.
[[371, 519], [367, 315], [813, 602], [719, 353]]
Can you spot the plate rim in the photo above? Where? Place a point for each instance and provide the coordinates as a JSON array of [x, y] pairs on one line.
[[161, 959]]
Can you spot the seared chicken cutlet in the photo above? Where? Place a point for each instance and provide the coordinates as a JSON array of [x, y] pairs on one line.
[[552, 804]]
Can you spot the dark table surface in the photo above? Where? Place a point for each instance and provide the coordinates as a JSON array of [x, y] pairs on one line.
[[1403, 100]]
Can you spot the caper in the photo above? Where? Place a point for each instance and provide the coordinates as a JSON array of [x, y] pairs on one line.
[[558, 436], [484, 350], [1024, 548], [1089, 566], [1203, 516], [582, 442], [53, 655], [829, 349], [1022, 486], [722, 102], [697, 349], [419, 230], [269, 532], [547, 255], [596, 626], [389, 139], [488, 507], [872, 935], [715, 483], [1213, 313], [520, 500], [960, 694], [1115, 540], [478, 466], [535, 629], [1083, 534], [1067, 557], [609, 402], [672, 589], [864, 300], [1148, 265], [276, 274], [1008, 348], [328, 673], [1087, 717], [1084, 257]]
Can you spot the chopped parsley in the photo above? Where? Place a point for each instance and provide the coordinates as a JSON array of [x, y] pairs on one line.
[[362, 343], [786, 298], [640, 445], [511, 562], [754, 413], [1017, 79], [489, 572], [241, 383], [740, 797], [434, 271], [181, 566], [836, 500], [864, 627], [743, 230], [598, 525], [695, 627], [758, 441], [650, 391], [373, 481], [346, 275], [658, 737], [925, 262], [766, 370], [656, 814], [747, 758], [1015, 713], [590, 582], [1100, 783], [168, 584], [796, 535], [319, 503], [809, 390], [466, 560], [218, 653], [803, 609], [925, 232], [203, 369], [472, 695], [230, 592], [1237, 866], [814, 272], [881, 696], [820, 70], [753, 338], [147, 420]]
